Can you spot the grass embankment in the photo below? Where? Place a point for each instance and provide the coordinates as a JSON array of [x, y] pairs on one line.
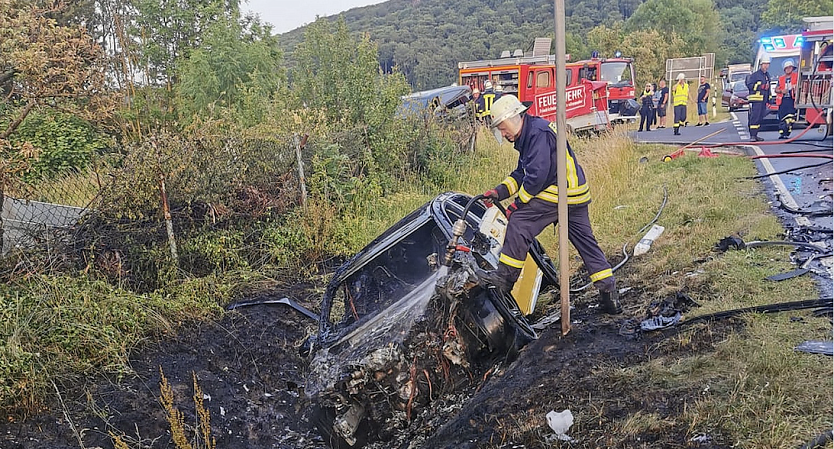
[[761, 393]]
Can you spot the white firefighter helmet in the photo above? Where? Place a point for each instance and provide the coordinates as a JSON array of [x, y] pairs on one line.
[[788, 63], [476, 91], [765, 60], [505, 107], [681, 76], [487, 84], [499, 88]]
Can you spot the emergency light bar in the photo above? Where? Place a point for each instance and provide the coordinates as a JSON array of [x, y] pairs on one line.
[[787, 42]]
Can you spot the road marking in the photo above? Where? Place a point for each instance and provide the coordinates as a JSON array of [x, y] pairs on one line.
[[784, 195]]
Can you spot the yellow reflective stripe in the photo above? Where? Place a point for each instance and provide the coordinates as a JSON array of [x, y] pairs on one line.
[[553, 198], [600, 275], [524, 196], [507, 260], [573, 179], [572, 191], [488, 99], [512, 185], [552, 126], [755, 97], [755, 126]]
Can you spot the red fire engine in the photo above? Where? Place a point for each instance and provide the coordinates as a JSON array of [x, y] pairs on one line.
[[595, 94], [814, 97]]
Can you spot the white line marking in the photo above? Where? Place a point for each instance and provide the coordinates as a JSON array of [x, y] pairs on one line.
[[784, 195]]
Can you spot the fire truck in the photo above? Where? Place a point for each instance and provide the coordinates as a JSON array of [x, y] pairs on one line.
[[814, 97], [779, 49], [590, 86]]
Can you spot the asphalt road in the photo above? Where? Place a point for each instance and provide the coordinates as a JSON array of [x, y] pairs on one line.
[[807, 190]]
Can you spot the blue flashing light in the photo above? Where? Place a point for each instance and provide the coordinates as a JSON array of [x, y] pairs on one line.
[[769, 47], [779, 42], [765, 40], [618, 53], [594, 54]]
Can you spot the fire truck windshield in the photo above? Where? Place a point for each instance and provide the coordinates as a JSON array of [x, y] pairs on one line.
[[616, 73]]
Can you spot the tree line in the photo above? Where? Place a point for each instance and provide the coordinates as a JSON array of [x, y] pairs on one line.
[[425, 40]]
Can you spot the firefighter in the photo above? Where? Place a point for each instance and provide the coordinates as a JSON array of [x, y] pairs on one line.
[[785, 98], [680, 96], [499, 90], [489, 99], [535, 207], [758, 84], [478, 103]]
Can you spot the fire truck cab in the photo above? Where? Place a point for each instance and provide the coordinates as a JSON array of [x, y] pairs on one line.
[[618, 74], [533, 80]]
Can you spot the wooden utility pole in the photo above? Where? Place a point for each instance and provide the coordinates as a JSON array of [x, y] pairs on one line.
[[561, 165]]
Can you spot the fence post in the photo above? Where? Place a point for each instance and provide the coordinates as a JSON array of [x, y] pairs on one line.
[[299, 144], [169, 224]]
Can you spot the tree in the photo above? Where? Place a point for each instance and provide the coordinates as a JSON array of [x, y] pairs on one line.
[[237, 66], [43, 64], [787, 14], [696, 22]]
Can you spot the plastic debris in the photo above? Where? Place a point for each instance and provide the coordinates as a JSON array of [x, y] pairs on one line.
[[560, 422], [660, 322], [642, 247], [816, 347]]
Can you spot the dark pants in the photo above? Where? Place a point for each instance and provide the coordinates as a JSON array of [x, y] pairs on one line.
[[758, 110], [787, 115], [680, 117], [646, 115], [531, 219]]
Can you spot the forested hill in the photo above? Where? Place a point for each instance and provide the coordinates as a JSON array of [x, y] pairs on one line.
[[426, 39]]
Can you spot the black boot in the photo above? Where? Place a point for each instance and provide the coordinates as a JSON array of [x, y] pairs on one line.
[[495, 279], [609, 302]]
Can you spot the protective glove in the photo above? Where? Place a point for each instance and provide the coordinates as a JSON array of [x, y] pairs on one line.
[[512, 208], [490, 196]]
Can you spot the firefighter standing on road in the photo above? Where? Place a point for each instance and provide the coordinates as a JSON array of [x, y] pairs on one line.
[[680, 96], [535, 207], [785, 99], [758, 85]]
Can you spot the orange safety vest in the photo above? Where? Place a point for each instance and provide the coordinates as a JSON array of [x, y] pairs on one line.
[[781, 85]]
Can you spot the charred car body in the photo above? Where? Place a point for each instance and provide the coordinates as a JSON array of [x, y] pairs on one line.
[[400, 330]]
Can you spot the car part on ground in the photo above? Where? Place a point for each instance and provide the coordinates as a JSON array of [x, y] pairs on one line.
[[269, 301], [769, 308], [402, 333]]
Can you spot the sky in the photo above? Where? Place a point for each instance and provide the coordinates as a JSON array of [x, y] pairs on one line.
[[286, 15]]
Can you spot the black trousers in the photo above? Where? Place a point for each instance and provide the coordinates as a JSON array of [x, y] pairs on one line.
[[680, 116], [758, 110], [531, 219], [646, 115], [787, 115]]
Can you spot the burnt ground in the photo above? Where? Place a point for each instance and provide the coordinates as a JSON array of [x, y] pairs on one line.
[[249, 369]]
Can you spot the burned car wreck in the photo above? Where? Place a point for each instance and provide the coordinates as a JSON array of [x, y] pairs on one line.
[[406, 328]]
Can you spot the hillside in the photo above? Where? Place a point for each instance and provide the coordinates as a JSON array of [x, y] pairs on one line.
[[426, 39]]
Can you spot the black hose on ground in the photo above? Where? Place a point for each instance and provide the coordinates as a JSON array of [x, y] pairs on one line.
[[769, 308], [801, 167], [820, 441]]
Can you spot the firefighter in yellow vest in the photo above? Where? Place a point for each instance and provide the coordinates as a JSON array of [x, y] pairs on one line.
[[489, 98], [680, 96]]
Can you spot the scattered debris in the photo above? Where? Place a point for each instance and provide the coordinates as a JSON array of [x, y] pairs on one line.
[[660, 322], [268, 301], [560, 422], [769, 308], [816, 347], [642, 247]]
